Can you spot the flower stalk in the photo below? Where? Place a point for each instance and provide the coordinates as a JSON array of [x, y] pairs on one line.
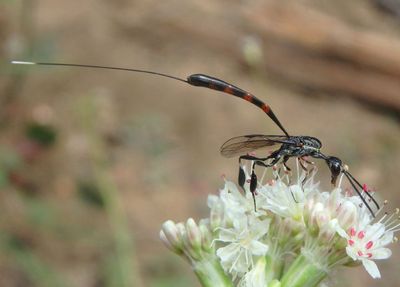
[[273, 268], [210, 273], [302, 272]]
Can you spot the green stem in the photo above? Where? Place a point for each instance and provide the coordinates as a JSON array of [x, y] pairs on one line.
[[273, 268], [210, 274], [274, 283], [303, 273]]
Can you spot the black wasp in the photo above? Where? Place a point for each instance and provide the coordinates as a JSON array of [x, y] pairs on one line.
[[290, 146]]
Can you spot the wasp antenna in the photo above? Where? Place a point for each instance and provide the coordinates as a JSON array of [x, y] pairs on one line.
[[349, 177], [100, 67], [361, 187]]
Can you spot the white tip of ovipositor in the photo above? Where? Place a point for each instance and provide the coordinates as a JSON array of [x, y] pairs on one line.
[[22, 63]]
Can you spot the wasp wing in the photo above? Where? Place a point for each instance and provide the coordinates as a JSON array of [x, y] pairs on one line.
[[244, 144]]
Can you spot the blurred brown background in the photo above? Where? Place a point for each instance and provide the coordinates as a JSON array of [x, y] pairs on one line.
[[92, 161]]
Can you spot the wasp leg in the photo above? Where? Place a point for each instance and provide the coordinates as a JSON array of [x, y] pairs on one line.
[[275, 158], [303, 158], [286, 168], [300, 159], [242, 175], [302, 165], [308, 171], [253, 185], [251, 157], [253, 177], [285, 159], [254, 180]]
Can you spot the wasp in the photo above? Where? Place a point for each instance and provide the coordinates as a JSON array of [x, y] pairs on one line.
[[289, 146]]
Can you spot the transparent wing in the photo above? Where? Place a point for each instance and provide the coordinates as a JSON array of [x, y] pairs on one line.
[[244, 144]]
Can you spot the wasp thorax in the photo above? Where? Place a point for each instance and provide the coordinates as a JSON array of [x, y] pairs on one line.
[[311, 142]]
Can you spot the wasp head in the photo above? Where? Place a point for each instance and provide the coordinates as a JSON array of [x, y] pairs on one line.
[[335, 165]]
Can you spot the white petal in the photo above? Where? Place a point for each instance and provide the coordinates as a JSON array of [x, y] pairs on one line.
[[259, 227], [375, 231], [228, 253], [234, 259], [258, 248], [335, 224], [212, 200], [244, 261], [226, 235], [297, 193], [352, 252], [231, 187], [381, 253], [371, 268], [240, 224], [256, 276], [386, 239]]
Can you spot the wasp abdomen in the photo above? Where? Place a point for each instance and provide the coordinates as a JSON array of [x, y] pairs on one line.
[[202, 80]]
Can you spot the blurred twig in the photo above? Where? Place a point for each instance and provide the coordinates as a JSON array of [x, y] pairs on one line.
[[16, 82], [389, 6], [318, 51], [306, 47], [123, 270], [40, 273]]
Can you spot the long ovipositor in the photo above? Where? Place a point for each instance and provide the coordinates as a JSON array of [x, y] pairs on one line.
[[199, 80]]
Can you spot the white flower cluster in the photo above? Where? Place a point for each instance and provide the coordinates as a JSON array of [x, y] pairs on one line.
[[293, 219]]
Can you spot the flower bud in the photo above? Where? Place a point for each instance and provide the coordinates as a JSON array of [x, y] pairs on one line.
[[206, 238], [347, 215], [308, 207], [193, 234], [316, 218], [172, 234], [216, 215], [166, 242], [181, 229]]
